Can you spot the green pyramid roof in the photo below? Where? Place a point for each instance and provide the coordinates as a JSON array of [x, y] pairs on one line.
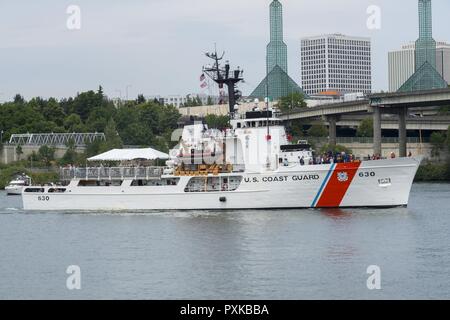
[[425, 78], [279, 85]]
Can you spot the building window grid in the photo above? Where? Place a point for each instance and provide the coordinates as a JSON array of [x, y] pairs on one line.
[[349, 65]]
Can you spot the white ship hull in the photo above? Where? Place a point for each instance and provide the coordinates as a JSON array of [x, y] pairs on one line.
[[380, 183]]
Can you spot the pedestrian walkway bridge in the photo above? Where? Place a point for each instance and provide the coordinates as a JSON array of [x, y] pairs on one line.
[[55, 139]]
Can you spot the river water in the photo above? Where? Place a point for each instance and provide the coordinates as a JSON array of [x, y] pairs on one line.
[[291, 254]]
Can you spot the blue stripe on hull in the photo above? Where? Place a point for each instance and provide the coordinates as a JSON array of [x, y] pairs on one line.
[[324, 183]]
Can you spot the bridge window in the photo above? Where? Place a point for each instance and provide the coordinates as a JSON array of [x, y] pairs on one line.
[[34, 190], [56, 190], [100, 183], [155, 182]]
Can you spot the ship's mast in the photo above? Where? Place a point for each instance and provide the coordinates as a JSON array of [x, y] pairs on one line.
[[224, 76], [268, 137]]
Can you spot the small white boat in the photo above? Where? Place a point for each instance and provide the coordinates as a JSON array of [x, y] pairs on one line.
[[16, 186]]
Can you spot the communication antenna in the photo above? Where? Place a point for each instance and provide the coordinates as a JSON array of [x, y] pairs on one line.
[[225, 76]]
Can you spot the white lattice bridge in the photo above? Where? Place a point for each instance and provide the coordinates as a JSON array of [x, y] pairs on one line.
[[55, 139]]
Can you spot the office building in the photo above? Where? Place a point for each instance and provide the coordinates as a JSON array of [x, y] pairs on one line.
[[336, 62]]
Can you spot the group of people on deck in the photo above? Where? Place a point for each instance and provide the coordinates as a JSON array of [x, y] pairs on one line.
[[326, 158], [392, 156], [334, 157]]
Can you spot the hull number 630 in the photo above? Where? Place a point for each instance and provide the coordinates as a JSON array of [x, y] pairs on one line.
[[367, 174], [43, 198]]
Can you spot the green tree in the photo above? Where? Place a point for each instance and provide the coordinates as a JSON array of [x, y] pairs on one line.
[[138, 122], [217, 122], [210, 101], [189, 102], [150, 116], [448, 138], [73, 123], [33, 157], [445, 110], [18, 99], [293, 101], [19, 151], [70, 157], [130, 127], [437, 140], [94, 148], [50, 109], [160, 143], [318, 129], [113, 140], [170, 117], [100, 94], [141, 99], [198, 101], [296, 128], [46, 154], [365, 128]]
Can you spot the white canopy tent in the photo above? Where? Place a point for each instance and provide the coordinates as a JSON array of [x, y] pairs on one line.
[[130, 154]]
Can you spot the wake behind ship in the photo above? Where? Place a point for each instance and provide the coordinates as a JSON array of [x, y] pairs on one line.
[[251, 165]]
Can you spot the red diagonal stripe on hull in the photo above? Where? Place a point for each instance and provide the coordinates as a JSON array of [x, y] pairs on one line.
[[334, 192]]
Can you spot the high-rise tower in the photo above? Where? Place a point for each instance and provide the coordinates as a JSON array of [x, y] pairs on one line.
[[425, 45], [276, 49], [277, 82], [425, 76]]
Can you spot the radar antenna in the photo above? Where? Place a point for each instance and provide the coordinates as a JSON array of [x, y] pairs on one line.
[[224, 76]]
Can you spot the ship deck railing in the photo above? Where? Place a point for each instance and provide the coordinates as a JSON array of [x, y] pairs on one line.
[[111, 173]]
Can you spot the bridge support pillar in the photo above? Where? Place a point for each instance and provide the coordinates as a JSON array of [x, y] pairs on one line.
[[332, 130], [377, 130], [402, 112]]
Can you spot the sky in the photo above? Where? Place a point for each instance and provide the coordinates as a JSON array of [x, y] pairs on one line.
[[156, 47]]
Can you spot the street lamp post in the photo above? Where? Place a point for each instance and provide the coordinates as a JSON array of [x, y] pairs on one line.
[[1, 141], [126, 90], [420, 131], [119, 101]]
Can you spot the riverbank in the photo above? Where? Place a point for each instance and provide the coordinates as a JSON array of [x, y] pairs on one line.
[[7, 173], [433, 172]]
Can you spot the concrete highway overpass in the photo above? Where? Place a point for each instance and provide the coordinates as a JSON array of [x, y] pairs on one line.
[[398, 104], [390, 122]]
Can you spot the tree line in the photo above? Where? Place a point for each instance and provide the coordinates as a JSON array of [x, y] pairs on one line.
[[138, 122]]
